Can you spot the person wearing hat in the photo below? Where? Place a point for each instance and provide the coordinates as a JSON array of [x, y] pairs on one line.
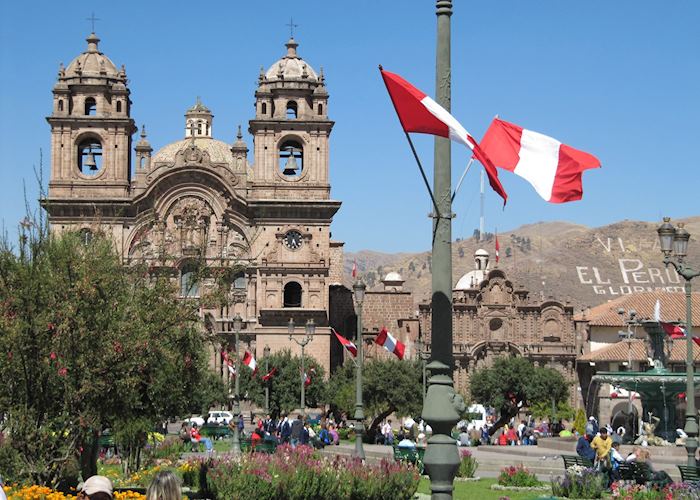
[[96, 488], [592, 426]]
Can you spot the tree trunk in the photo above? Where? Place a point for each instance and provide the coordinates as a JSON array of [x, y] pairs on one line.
[[376, 421], [503, 419], [88, 457]]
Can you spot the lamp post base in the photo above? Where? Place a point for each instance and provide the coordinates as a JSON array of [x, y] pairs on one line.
[[441, 412], [359, 434]]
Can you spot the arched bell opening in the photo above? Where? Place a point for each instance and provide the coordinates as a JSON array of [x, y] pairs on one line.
[[291, 159], [90, 156]]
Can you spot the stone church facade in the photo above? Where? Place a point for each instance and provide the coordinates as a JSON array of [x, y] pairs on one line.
[[494, 317], [199, 199]]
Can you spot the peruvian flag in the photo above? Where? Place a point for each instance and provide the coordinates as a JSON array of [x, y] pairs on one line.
[[554, 169], [419, 113], [673, 331], [354, 269], [249, 361], [352, 348], [269, 374], [306, 377], [497, 249], [229, 363], [384, 338]]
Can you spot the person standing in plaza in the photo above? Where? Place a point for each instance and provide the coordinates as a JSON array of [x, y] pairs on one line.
[[602, 445], [388, 433], [296, 430]]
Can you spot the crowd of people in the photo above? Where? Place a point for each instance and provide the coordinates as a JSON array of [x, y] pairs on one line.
[[410, 434]]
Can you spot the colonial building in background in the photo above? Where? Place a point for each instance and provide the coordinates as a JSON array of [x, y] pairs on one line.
[[493, 317], [201, 200]]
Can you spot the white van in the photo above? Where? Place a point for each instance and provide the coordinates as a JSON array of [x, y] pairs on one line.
[[475, 417]]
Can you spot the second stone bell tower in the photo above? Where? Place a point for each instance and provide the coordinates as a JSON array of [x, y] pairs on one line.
[[91, 129]]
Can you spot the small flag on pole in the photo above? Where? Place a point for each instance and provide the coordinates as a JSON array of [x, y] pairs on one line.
[[385, 339], [354, 269], [269, 374], [352, 348], [249, 361], [673, 331]]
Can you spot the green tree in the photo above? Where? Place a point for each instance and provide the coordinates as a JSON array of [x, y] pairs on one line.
[[88, 344], [514, 383], [388, 386], [285, 385], [580, 421]]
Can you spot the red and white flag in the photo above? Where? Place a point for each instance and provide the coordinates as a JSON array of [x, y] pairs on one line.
[[228, 363], [352, 348], [354, 269], [498, 247], [269, 374], [306, 377], [249, 361], [419, 113], [554, 169], [673, 331], [384, 338]]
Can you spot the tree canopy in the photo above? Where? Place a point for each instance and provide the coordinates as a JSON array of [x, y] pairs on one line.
[[388, 386], [87, 344], [514, 383], [285, 385]]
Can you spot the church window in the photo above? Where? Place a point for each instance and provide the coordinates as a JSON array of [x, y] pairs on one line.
[[199, 128], [292, 294], [239, 281], [142, 162], [291, 110], [90, 106], [89, 156], [320, 109], [263, 108], [119, 106], [495, 324], [60, 104], [188, 281], [291, 158]]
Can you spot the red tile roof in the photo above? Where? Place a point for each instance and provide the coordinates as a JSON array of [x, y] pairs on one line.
[[672, 308], [619, 351]]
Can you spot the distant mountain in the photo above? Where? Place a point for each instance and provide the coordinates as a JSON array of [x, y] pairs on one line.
[[586, 266]]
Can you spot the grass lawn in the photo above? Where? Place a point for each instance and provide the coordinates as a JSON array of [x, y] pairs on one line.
[[482, 490]]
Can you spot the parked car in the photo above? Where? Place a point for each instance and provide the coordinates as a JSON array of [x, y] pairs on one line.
[[195, 419], [219, 417]]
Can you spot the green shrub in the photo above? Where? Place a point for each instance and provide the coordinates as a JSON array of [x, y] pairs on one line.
[[580, 422], [10, 462], [517, 476], [467, 465]]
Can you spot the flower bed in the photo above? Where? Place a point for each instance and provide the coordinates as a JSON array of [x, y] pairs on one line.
[[518, 477], [300, 473], [467, 465], [45, 493], [674, 491], [579, 482]]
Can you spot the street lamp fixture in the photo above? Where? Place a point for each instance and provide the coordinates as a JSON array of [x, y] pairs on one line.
[[266, 352], [236, 445], [674, 240], [358, 289], [310, 329]]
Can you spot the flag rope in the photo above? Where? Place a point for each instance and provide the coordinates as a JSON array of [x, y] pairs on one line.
[[471, 160], [422, 173]]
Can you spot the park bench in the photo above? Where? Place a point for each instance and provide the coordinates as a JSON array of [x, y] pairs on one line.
[[262, 447], [215, 431], [689, 474], [570, 460], [106, 443], [410, 455]]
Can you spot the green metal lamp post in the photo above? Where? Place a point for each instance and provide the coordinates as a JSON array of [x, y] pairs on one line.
[[236, 444], [310, 330], [442, 406], [266, 352], [424, 356], [358, 289], [674, 240]]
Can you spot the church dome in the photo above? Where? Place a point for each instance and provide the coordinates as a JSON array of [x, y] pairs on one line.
[[291, 66], [393, 276], [219, 151], [92, 63], [481, 253]]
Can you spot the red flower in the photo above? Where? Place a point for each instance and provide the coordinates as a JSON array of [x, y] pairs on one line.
[[53, 355], [51, 327], [62, 372], [117, 347]]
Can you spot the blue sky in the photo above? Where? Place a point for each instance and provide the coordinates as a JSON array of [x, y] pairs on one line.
[[620, 80]]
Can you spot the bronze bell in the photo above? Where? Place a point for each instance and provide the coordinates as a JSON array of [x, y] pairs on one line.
[[291, 167], [90, 161]]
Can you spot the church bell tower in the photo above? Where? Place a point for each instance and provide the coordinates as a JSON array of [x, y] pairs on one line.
[[91, 129]]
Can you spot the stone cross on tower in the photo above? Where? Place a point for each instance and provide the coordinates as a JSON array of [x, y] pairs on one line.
[[92, 20], [192, 127], [291, 27]]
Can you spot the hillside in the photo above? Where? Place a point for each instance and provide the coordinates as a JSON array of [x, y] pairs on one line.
[[567, 261]]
